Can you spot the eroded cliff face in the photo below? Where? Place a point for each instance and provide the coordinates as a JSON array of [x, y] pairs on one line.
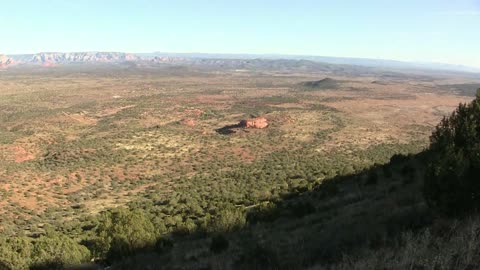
[[82, 57], [6, 61]]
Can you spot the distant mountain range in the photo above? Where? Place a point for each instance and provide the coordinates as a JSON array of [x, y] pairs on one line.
[[54, 58], [368, 62], [237, 61], [83, 57]]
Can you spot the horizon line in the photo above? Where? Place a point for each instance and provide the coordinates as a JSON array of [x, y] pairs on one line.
[[418, 62]]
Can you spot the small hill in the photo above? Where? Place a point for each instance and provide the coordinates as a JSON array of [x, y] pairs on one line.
[[326, 83]]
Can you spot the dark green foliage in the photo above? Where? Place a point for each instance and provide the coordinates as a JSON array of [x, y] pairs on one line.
[[407, 170], [301, 209], [55, 264], [408, 174], [54, 251], [372, 178], [58, 250], [259, 257], [228, 220], [162, 245], [263, 213], [4, 266], [15, 253], [397, 158], [452, 180], [122, 232], [387, 171], [219, 244]]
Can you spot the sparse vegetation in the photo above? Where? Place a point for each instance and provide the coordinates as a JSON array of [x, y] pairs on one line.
[[125, 182]]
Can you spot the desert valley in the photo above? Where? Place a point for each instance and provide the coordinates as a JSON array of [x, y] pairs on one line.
[[223, 163]]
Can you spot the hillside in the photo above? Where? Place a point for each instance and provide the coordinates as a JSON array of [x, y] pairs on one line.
[[375, 219]]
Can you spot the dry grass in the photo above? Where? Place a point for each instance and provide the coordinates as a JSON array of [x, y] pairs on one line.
[[456, 246]]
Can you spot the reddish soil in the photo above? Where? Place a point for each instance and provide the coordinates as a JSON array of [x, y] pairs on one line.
[[21, 154], [189, 122]]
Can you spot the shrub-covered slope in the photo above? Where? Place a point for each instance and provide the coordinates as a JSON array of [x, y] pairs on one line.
[[322, 213]]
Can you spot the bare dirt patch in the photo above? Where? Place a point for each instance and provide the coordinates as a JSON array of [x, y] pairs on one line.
[[81, 118], [112, 111]]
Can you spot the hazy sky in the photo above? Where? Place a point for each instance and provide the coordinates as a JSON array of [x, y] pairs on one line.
[[413, 30]]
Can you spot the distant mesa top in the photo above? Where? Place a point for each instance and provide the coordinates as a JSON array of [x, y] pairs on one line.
[[56, 57]]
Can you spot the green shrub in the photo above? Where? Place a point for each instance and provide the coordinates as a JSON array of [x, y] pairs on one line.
[[122, 232], [58, 250], [229, 219], [452, 179], [15, 253]]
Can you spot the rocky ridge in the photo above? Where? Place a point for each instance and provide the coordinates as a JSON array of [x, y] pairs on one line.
[[82, 57]]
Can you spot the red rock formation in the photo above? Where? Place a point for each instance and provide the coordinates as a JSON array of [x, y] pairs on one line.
[[5, 61], [259, 122], [82, 57]]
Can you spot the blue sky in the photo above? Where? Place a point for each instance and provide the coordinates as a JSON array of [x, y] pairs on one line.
[[411, 30]]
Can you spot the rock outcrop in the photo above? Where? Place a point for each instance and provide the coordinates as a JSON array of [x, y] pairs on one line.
[[255, 123], [259, 122], [6, 61]]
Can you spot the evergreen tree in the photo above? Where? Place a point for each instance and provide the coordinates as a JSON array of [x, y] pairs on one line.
[[15, 253], [452, 180], [122, 232], [59, 250]]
